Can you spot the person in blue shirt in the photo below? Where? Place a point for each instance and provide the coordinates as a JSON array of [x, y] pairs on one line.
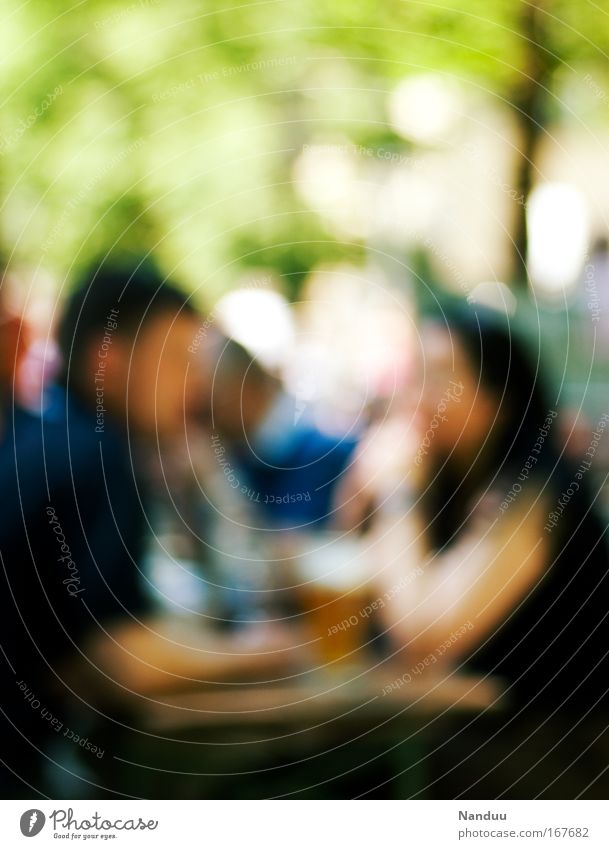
[[75, 626]]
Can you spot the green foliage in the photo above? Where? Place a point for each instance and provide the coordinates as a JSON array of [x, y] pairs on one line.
[[173, 127]]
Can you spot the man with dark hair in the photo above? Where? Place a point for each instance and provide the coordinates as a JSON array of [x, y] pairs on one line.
[[124, 340], [75, 627]]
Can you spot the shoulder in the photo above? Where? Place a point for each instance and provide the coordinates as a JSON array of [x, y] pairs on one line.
[[72, 456], [72, 428]]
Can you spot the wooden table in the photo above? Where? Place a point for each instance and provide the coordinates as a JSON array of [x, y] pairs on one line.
[[313, 735], [348, 695]]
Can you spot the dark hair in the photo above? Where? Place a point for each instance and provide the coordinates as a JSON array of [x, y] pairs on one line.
[[131, 292], [504, 369], [235, 362]]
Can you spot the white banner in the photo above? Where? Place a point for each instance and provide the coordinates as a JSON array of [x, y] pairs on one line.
[[305, 824]]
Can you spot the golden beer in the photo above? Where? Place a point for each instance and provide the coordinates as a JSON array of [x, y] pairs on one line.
[[333, 594]]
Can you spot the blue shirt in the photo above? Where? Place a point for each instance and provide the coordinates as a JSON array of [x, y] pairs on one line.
[[291, 468], [71, 534]]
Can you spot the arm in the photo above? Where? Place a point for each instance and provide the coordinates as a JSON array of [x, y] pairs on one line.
[[164, 655], [480, 579], [380, 466]]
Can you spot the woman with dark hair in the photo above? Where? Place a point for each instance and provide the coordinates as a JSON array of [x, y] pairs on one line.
[[513, 579]]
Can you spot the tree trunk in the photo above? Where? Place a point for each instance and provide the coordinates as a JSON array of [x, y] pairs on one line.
[[529, 102]]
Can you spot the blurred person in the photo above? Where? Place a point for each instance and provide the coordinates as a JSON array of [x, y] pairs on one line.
[[513, 567], [75, 624], [285, 465], [13, 342]]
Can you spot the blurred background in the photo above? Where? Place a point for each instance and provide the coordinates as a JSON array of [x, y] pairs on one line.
[[358, 155]]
